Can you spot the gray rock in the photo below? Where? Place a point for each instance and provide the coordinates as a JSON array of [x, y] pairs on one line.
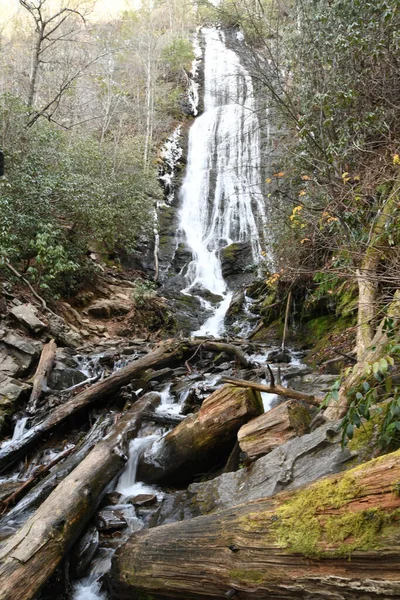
[[104, 309], [26, 314], [12, 392], [63, 377], [143, 499], [17, 354], [296, 463], [22, 344], [62, 333]]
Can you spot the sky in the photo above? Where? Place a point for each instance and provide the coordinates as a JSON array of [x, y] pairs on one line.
[[103, 8]]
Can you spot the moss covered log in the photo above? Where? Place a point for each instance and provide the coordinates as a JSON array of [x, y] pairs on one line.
[[338, 538], [196, 444], [30, 556]]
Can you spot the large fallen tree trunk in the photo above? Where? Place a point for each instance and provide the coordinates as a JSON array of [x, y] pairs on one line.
[[279, 390], [191, 447], [163, 356], [273, 428], [30, 556], [293, 545]]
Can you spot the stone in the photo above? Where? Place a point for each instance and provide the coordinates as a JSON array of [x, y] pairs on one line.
[[12, 392], [299, 461], [235, 307], [110, 520], [279, 356], [23, 344], [143, 499], [26, 314], [236, 258], [17, 354], [62, 333], [104, 309], [112, 499], [63, 377]]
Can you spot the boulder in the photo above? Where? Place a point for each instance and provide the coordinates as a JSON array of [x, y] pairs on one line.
[[104, 308], [17, 354], [236, 258], [26, 314], [110, 520], [297, 462], [235, 307], [143, 499], [63, 377]]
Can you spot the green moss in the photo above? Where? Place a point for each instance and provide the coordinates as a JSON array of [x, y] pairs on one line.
[[247, 575], [300, 528]]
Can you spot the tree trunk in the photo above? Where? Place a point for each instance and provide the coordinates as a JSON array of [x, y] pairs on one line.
[[191, 447], [166, 354], [279, 390], [367, 274], [42, 373], [295, 545], [44, 488], [273, 428], [30, 556]]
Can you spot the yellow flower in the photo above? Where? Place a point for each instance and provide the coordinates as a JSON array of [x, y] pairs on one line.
[[396, 159], [345, 177], [356, 178], [268, 180], [280, 174], [305, 178], [305, 240], [302, 193]]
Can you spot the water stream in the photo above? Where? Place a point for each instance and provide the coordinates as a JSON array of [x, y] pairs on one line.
[[221, 194]]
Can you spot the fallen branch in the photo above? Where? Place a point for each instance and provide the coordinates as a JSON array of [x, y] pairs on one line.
[[42, 373], [279, 390], [165, 355]]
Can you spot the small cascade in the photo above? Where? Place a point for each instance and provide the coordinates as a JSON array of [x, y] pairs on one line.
[[222, 202]]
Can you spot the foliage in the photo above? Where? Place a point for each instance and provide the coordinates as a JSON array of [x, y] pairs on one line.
[[144, 290], [375, 396]]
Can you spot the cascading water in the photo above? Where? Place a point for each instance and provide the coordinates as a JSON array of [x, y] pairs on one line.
[[221, 194]]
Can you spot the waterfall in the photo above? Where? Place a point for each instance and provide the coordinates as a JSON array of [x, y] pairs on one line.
[[221, 194]]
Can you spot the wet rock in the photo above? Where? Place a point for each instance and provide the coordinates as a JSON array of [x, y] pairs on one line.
[[236, 258], [279, 356], [84, 551], [143, 499], [297, 462], [182, 257], [199, 290], [63, 377], [174, 507], [235, 307], [110, 520], [112, 499], [12, 392], [26, 314]]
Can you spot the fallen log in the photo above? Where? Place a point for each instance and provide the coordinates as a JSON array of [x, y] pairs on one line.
[[166, 354], [279, 390], [295, 545], [44, 488], [42, 373], [272, 429], [190, 448], [31, 555]]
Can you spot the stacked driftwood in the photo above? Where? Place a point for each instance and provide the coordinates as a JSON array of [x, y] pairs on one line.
[[231, 553]]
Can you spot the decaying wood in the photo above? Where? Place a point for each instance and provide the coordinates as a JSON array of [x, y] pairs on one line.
[[279, 390], [44, 488], [244, 550], [30, 556], [191, 447], [28, 484], [165, 355], [42, 373], [272, 429]]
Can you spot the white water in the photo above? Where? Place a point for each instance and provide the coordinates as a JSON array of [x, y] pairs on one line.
[[221, 194]]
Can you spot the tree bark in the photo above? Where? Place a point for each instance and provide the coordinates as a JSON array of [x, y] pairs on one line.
[[44, 488], [30, 556], [42, 373], [165, 355], [273, 428], [295, 545], [279, 390], [191, 447]]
